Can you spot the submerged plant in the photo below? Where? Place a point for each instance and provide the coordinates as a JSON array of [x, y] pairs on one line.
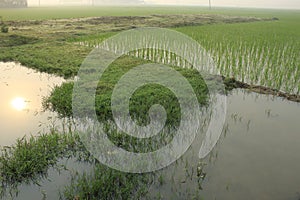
[[106, 183], [29, 159]]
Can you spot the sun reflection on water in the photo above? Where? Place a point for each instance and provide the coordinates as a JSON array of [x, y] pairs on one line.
[[22, 91], [19, 103]]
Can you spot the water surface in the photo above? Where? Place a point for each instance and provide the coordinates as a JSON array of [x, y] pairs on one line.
[[257, 156], [22, 91]]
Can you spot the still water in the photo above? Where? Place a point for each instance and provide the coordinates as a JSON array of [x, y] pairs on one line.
[[22, 91], [257, 156]]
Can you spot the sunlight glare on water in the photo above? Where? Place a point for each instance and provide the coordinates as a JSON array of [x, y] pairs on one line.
[[22, 91], [19, 103]]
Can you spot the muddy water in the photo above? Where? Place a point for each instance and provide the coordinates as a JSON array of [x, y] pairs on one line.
[[257, 156], [22, 90]]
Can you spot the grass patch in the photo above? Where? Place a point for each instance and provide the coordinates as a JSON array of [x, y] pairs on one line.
[[63, 59], [60, 100], [106, 183], [16, 40], [28, 160]]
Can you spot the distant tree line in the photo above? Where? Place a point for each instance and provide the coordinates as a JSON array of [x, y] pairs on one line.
[[13, 3]]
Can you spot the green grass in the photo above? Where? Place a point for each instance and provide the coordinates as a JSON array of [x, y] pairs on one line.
[[28, 160], [63, 59], [260, 53], [60, 100], [106, 183]]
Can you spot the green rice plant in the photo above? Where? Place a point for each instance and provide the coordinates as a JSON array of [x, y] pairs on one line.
[[261, 53]]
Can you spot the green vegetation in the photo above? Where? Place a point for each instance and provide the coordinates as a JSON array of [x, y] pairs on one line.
[[264, 52], [60, 99], [58, 58], [4, 29], [261, 53], [43, 13], [106, 183], [30, 158]]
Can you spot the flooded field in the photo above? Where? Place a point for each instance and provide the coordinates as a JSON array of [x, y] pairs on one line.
[[256, 157], [254, 54]]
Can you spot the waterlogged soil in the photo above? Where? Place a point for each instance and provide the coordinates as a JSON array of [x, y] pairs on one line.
[[233, 83]]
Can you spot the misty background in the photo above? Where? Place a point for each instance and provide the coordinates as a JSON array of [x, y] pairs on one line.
[[279, 4], [292, 4]]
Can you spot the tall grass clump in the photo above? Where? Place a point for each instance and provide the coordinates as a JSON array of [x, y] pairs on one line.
[[28, 160], [106, 183]]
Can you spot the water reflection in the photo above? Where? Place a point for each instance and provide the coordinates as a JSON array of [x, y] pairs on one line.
[[257, 156], [22, 90], [19, 103]]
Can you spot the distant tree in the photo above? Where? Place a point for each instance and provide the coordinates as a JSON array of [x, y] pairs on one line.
[[13, 3]]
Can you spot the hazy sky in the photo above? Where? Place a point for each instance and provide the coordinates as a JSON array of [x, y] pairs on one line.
[[237, 3], [295, 4]]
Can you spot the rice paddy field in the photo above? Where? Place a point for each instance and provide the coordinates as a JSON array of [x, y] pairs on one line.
[[256, 54]]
